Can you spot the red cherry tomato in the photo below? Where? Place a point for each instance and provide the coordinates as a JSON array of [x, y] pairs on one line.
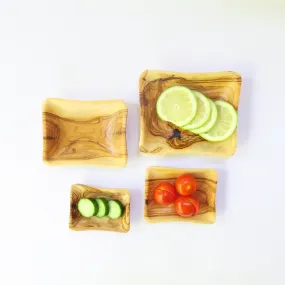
[[195, 202], [186, 185], [187, 206], [165, 193]]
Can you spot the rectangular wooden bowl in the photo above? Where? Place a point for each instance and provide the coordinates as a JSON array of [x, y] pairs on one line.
[[162, 138], [84, 132], [79, 223], [206, 194]]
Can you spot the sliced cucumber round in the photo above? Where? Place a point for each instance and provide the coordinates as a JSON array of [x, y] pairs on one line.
[[87, 207], [103, 207], [116, 209]]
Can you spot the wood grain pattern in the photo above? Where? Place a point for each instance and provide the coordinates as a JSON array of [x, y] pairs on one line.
[[162, 138], [79, 223], [206, 194], [84, 132]]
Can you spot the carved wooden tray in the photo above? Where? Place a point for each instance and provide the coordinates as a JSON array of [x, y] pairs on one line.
[[79, 223], [206, 193], [84, 132], [162, 138]]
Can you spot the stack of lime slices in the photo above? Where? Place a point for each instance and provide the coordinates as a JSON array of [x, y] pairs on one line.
[[193, 111]]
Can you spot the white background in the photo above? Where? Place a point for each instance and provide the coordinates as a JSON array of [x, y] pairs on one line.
[[96, 50]]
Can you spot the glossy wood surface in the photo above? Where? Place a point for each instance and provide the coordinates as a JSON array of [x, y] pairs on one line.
[[84, 132], [79, 223], [206, 194], [159, 137]]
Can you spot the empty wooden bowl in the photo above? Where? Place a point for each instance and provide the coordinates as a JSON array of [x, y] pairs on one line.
[[79, 223], [160, 137], [84, 132], [206, 194]]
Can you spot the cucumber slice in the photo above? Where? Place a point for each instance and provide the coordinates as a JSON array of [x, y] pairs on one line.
[[87, 207], [116, 209], [103, 207]]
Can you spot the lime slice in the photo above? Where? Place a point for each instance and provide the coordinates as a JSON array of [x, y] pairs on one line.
[[225, 124], [211, 121], [177, 104], [203, 112]]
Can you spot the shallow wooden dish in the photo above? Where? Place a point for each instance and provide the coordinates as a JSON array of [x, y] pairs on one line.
[[162, 138], [206, 193], [79, 223], [84, 132]]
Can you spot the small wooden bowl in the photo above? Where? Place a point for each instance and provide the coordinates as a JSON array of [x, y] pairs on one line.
[[84, 132], [79, 223], [163, 138], [206, 194]]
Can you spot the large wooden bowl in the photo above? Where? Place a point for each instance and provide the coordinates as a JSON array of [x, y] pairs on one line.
[[160, 137], [206, 194], [84, 132], [79, 223]]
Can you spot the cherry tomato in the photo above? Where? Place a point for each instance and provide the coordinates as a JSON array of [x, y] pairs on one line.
[[187, 206], [195, 203], [186, 185], [165, 193]]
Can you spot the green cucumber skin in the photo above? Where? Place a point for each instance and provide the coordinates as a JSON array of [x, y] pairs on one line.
[[106, 204], [122, 209], [95, 205], [96, 208]]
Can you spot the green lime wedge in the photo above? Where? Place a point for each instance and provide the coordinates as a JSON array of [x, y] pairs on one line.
[[177, 104], [225, 125], [210, 122], [203, 112]]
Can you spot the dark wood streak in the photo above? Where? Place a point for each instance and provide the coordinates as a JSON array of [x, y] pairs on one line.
[[205, 194], [71, 139], [77, 222], [172, 179], [174, 135], [156, 150], [150, 90]]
